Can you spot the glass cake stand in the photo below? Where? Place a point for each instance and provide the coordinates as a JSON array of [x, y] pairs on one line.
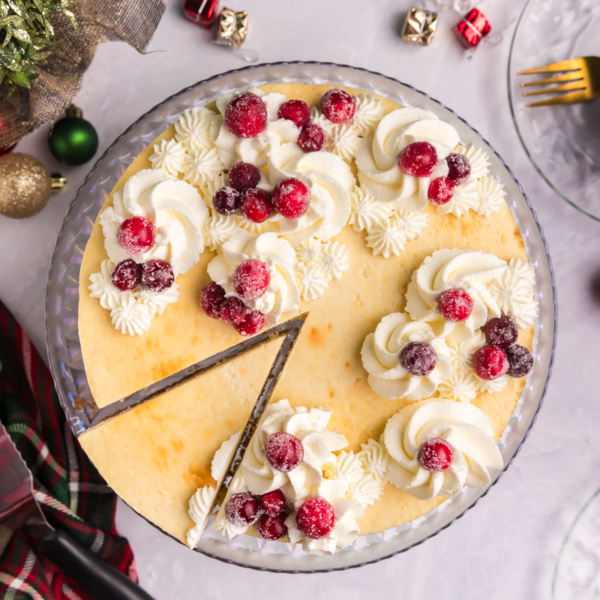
[[63, 297]]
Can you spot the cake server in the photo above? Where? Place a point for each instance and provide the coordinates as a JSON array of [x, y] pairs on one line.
[[18, 504]]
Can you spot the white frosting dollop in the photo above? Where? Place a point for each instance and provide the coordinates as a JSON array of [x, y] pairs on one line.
[[170, 156]]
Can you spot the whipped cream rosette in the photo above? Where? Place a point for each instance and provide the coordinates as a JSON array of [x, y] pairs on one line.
[[464, 427]]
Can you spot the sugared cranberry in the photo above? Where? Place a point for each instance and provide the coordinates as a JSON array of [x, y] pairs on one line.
[[338, 106], [244, 176], [273, 503], [441, 190], [455, 305], [246, 115], [233, 310], [291, 198], [501, 332], [490, 362], [435, 455], [211, 298], [252, 324], [157, 275], [312, 138], [296, 111], [251, 279], [284, 451], [459, 168], [272, 528], [419, 358], [520, 361], [226, 201], [136, 235], [418, 159], [315, 518], [256, 205], [242, 510], [126, 275]]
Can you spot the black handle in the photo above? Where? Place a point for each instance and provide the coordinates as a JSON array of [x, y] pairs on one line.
[[99, 579]]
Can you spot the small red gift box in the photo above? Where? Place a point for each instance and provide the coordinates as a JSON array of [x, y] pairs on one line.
[[201, 12], [473, 28]]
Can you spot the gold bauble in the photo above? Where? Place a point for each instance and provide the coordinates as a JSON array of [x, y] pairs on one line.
[[25, 185]]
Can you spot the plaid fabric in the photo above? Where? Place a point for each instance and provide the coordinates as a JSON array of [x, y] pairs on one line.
[[71, 492]]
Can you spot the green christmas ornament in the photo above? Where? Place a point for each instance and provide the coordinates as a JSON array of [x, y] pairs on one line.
[[73, 140]]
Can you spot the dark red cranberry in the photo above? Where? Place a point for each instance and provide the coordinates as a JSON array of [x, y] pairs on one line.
[[418, 159], [251, 279], [419, 358], [455, 305], [244, 176], [226, 201], [256, 205], [459, 168], [296, 111], [272, 528], [501, 332], [252, 324], [126, 275], [338, 106], [490, 362], [435, 455], [291, 198], [242, 510], [246, 115], [136, 235], [233, 310], [520, 361], [316, 518], [211, 298], [157, 275], [284, 451], [441, 190], [312, 138], [273, 503]]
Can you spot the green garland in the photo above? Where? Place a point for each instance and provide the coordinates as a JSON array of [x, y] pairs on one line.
[[25, 38]]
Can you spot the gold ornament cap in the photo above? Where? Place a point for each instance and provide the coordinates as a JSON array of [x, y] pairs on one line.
[[74, 111]]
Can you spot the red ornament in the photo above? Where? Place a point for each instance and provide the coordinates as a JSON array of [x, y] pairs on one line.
[[201, 12], [6, 149], [473, 28]]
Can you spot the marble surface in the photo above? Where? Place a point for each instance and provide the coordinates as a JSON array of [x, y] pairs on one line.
[[507, 546]]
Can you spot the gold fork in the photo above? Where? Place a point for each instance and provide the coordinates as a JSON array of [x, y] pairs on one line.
[[582, 79]]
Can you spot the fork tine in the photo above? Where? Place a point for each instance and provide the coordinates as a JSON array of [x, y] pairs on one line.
[[566, 77], [575, 85], [572, 64], [566, 99]]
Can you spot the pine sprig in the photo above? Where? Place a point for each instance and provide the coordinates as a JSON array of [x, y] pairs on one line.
[[26, 34]]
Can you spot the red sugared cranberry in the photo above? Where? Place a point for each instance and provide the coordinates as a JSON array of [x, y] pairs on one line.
[[244, 176], [520, 361], [273, 503], [233, 310], [157, 275], [211, 298], [418, 159], [246, 115], [419, 358], [338, 106], [296, 111], [256, 205], [312, 138], [291, 198], [272, 528], [251, 279], [501, 332], [441, 190], [490, 362], [315, 518], [126, 275], [455, 305], [435, 455], [136, 235], [226, 201], [252, 324], [459, 168], [242, 509], [284, 451]]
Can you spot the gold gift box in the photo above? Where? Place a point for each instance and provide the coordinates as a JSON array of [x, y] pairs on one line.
[[420, 26], [233, 27]]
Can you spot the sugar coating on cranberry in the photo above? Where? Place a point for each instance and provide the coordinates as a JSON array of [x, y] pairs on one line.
[[136, 235], [284, 451], [435, 455], [490, 362], [459, 168], [273, 503], [242, 510], [211, 298], [251, 279], [315, 518], [419, 358], [291, 198], [520, 361], [126, 275], [246, 115], [157, 275], [252, 324], [441, 190], [455, 305], [501, 332], [312, 138], [296, 111], [233, 310], [244, 176], [226, 201], [272, 528], [256, 205], [418, 159], [338, 106]]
